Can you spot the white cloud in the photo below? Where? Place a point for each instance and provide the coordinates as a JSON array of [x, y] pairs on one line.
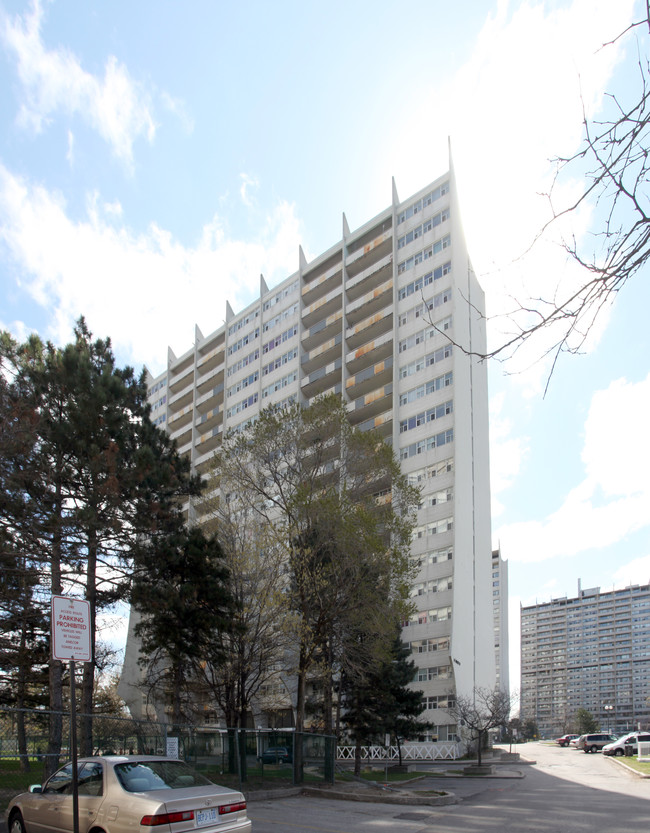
[[247, 182], [612, 500], [54, 81], [18, 329], [516, 104], [619, 467], [141, 289], [507, 452], [636, 571]]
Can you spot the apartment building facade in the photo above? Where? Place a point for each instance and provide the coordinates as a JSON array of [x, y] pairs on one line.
[[391, 318], [500, 619], [591, 651]]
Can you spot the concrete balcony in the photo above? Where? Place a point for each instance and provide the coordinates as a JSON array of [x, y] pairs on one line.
[[208, 442], [321, 379], [382, 424], [322, 331], [322, 308], [370, 253], [335, 390], [370, 278], [208, 420], [212, 359], [211, 399], [369, 328], [186, 448], [370, 303], [370, 379], [208, 378], [203, 461], [316, 288], [183, 396], [179, 379], [371, 405], [323, 354], [183, 437], [372, 351], [178, 420]]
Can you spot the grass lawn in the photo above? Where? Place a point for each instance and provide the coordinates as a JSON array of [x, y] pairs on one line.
[[639, 766], [379, 776]]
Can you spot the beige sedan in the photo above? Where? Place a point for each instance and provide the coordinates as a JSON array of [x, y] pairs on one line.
[[129, 794]]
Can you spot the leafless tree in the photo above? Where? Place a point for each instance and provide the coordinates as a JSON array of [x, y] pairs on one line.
[[613, 165], [482, 710]]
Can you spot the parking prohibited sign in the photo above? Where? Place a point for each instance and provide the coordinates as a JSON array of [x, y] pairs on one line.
[[70, 629]]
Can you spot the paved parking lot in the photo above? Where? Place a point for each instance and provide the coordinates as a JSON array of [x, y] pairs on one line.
[[563, 791]]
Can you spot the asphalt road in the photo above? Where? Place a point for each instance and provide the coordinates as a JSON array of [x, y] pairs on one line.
[[564, 791]]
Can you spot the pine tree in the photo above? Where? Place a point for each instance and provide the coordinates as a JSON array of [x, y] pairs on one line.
[[88, 479], [183, 591], [379, 702]]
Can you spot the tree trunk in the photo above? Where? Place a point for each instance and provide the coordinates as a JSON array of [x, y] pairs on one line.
[[177, 712], [55, 667], [56, 718], [88, 679], [357, 757], [300, 693], [22, 741], [20, 695], [327, 696]]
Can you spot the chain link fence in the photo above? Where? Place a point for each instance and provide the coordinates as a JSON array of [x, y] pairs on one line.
[[234, 757]]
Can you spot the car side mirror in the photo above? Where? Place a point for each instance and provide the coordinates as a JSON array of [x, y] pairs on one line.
[[35, 788]]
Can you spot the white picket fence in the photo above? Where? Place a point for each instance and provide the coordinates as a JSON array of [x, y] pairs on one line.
[[438, 751]]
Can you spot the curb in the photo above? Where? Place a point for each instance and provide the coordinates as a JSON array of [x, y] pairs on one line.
[[264, 795], [630, 769], [382, 796]]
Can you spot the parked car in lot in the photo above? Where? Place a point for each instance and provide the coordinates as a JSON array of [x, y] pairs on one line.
[[628, 743], [565, 740], [595, 741], [276, 755], [127, 793], [575, 743]]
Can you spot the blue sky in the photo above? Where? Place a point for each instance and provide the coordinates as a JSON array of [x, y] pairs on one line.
[[156, 157]]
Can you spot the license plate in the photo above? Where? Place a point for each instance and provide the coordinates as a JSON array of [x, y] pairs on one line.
[[203, 817]]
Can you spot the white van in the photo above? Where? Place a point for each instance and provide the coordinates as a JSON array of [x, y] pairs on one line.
[[627, 743]]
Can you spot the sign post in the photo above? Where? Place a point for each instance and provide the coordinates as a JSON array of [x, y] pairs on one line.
[[71, 641]]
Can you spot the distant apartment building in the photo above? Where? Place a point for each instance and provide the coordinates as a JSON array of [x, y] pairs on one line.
[[391, 317], [500, 616], [592, 652]]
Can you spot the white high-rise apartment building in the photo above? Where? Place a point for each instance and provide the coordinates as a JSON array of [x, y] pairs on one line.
[[591, 652], [373, 319]]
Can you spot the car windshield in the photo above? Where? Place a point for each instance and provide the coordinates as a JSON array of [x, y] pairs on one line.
[[142, 776]]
